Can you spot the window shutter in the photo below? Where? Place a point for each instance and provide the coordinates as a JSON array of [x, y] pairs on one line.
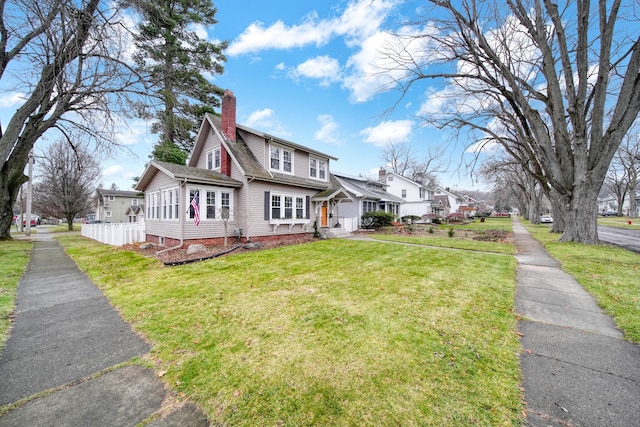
[[308, 203], [267, 205]]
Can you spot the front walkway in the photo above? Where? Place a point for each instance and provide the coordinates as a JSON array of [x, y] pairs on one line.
[[577, 370]]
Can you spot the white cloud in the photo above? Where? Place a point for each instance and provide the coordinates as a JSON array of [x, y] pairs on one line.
[[328, 131], [359, 20], [133, 132], [12, 99], [392, 131], [323, 68], [266, 120], [378, 65], [281, 66], [112, 171]]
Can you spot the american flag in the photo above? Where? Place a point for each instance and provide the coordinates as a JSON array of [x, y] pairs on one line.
[[195, 203]]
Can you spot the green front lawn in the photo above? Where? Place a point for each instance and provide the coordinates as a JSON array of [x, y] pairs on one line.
[[14, 256], [609, 273], [335, 332], [620, 222]]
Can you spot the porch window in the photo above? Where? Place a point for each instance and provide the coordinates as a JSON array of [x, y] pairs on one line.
[[211, 204], [214, 202], [225, 204], [369, 206]]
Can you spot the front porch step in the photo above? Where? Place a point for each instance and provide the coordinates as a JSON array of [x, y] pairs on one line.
[[335, 233]]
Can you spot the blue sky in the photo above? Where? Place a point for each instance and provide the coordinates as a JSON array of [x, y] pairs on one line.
[[302, 71]]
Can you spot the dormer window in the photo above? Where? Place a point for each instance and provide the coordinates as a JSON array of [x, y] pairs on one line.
[[281, 159], [317, 169]]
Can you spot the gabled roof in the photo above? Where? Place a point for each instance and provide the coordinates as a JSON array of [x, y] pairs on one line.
[[334, 192], [185, 173], [247, 161], [135, 209], [409, 180], [442, 200], [357, 186], [117, 193]]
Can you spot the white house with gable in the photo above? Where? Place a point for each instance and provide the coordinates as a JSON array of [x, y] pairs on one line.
[[417, 197]]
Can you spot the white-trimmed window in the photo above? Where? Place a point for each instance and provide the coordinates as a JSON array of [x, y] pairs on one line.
[[211, 204], [176, 203], [317, 169], [170, 204], [134, 202], [280, 159], [404, 193], [299, 207], [112, 198], [212, 200], [213, 159], [153, 205], [369, 206], [107, 214], [286, 207]]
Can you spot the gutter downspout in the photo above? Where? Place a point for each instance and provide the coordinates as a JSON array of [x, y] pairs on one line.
[[248, 236], [182, 184]]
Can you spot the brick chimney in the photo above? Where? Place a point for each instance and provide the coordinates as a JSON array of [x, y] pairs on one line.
[[382, 175], [229, 115]]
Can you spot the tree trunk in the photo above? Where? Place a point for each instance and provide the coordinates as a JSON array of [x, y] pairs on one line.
[[581, 216], [11, 179]]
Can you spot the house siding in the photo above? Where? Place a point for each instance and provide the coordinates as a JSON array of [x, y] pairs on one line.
[[256, 207]]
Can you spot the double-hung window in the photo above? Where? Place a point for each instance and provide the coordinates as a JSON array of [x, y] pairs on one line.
[[286, 207], [280, 159], [213, 159], [299, 207], [211, 204], [317, 169]]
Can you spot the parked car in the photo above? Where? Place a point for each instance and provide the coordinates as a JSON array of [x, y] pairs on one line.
[[609, 213], [546, 219]]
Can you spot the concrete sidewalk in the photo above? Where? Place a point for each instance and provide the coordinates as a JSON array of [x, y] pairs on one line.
[[577, 369], [66, 342]]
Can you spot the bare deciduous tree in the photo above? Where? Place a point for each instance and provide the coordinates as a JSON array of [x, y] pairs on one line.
[[566, 73], [65, 58], [67, 177], [405, 161]]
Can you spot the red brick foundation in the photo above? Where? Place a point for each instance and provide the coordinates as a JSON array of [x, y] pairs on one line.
[[218, 241]]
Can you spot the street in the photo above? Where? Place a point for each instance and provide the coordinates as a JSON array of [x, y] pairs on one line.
[[628, 239]]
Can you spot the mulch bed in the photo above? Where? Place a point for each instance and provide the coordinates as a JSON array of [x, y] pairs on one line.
[[180, 256]]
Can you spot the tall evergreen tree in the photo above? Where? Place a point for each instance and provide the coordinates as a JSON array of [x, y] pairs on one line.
[[173, 55]]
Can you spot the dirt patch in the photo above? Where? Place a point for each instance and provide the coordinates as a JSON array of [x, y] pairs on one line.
[[421, 230]]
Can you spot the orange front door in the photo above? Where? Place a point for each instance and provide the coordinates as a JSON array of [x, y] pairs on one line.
[[323, 215]]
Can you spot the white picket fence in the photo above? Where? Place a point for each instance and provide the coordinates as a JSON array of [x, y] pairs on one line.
[[116, 234]]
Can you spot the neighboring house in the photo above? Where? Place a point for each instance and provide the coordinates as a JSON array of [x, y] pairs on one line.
[[238, 182], [113, 205], [455, 201], [368, 195], [440, 206], [416, 197], [136, 213], [609, 204]]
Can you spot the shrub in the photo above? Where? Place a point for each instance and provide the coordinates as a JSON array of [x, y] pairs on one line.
[[455, 217], [451, 232], [377, 219], [410, 219]]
